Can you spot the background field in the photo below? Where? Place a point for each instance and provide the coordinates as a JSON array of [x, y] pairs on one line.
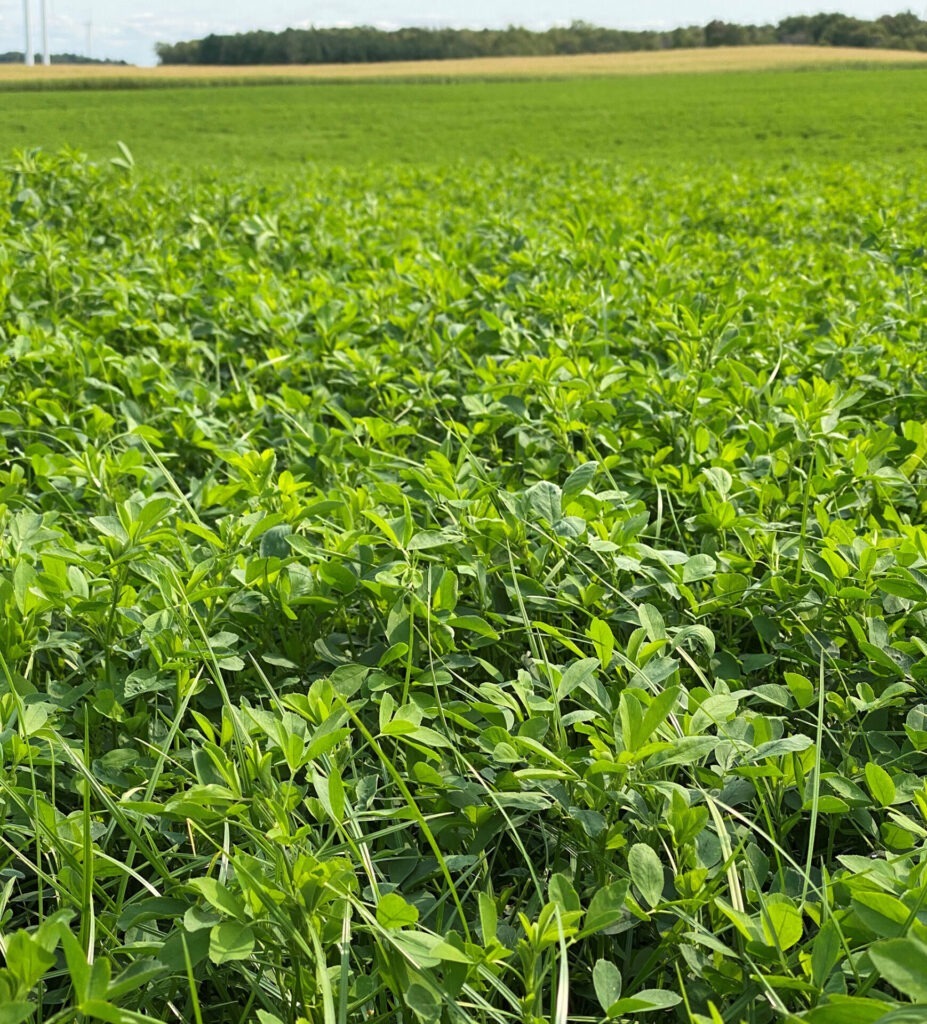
[[721, 58], [816, 115]]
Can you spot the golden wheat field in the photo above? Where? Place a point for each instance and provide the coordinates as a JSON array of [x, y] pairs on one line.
[[742, 58]]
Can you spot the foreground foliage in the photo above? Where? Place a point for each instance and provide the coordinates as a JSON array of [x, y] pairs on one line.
[[484, 596]]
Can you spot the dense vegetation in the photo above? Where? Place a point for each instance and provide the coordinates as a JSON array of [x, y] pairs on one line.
[[364, 43], [471, 594]]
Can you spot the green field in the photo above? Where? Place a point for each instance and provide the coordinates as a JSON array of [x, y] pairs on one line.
[[449, 574], [827, 115]]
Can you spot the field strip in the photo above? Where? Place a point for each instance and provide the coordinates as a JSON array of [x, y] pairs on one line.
[[741, 58]]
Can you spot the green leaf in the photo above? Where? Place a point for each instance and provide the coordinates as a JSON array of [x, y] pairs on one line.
[[430, 738], [576, 674], [428, 539], [264, 1017], [475, 624], [704, 639], [578, 481], [600, 633], [16, 1013], [393, 912], [139, 973], [560, 891], [801, 688], [916, 726], [698, 567], [24, 576], [825, 952], [646, 873], [782, 925], [657, 712], [173, 955], [137, 684], [903, 964], [275, 543], [544, 502], [607, 981], [78, 967], [785, 745], [606, 908], [425, 949], [900, 587], [219, 896], [646, 1001], [100, 1009], [489, 917], [330, 791], [230, 941], [720, 479], [126, 161], [905, 1015], [110, 526], [683, 750], [100, 972], [846, 1010], [827, 805], [880, 784], [881, 912], [652, 622], [424, 1003], [26, 959], [444, 597], [385, 527], [393, 653]]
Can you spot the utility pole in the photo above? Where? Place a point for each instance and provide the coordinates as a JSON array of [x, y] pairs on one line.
[[46, 54], [29, 57]]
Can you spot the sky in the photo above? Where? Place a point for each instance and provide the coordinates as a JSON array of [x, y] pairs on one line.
[[128, 29]]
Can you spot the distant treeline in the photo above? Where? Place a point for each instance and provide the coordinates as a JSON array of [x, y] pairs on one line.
[[366, 45], [17, 57]]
